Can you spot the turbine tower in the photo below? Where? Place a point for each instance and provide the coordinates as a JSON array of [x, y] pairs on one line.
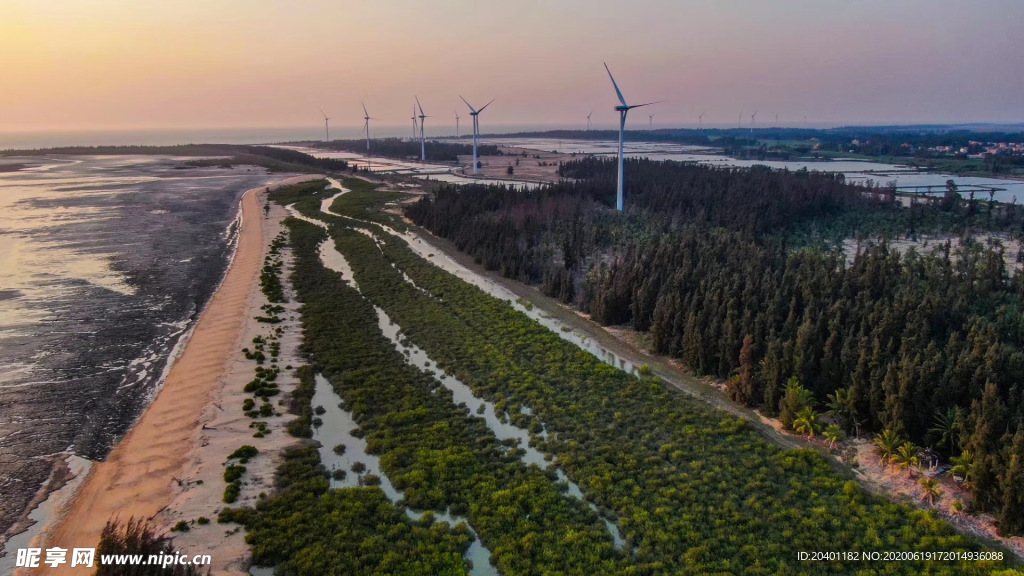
[[650, 121], [457, 124], [476, 130], [752, 116], [700, 121], [414, 122], [327, 128], [588, 120], [423, 140], [366, 128], [623, 109]]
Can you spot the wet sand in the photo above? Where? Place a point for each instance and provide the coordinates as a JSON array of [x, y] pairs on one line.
[[141, 474]]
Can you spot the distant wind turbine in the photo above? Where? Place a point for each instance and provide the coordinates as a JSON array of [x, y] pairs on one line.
[[476, 130], [414, 122], [327, 128], [423, 138], [700, 121], [588, 120], [650, 121], [623, 109], [457, 124], [366, 127], [752, 116], [739, 123]]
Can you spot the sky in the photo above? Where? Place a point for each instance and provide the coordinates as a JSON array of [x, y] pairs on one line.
[[124, 64]]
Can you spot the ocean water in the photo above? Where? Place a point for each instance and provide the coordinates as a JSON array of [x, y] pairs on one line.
[[106, 262]]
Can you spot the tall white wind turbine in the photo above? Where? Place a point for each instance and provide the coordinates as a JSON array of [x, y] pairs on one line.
[[457, 124], [366, 128], [588, 120], [623, 109], [414, 122], [650, 121], [327, 128], [423, 138], [700, 121], [752, 116], [476, 130]]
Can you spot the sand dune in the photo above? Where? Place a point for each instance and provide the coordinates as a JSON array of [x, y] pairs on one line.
[[139, 475]]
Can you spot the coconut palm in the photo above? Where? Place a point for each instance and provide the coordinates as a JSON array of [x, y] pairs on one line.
[[842, 411], [962, 465], [957, 507], [930, 489], [886, 444], [906, 457], [807, 422], [948, 427], [834, 435]]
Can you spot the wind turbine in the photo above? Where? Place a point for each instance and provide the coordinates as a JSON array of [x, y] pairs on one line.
[[623, 110], [457, 124], [588, 120], [327, 128], [650, 121], [414, 122], [700, 121], [752, 116], [476, 129], [739, 123], [423, 141], [366, 127]]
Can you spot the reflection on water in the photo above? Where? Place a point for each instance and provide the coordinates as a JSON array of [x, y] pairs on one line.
[[106, 262]]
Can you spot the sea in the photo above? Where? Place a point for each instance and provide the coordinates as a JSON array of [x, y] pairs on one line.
[[105, 264]]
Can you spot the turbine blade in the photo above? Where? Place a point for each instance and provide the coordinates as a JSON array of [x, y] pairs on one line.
[[365, 113], [645, 104], [420, 105], [486, 105], [617, 91], [473, 110]]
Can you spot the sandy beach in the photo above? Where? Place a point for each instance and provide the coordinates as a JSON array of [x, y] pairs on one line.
[[147, 470]]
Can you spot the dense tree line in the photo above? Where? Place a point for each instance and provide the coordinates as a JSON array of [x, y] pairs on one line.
[[694, 490], [925, 345], [405, 149]]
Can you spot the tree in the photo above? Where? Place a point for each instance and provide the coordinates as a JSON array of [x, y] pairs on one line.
[[906, 457], [962, 465], [834, 435], [886, 445], [1011, 517], [794, 400], [930, 490], [744, 388], [806, 422], [841, 409], [948, 428]]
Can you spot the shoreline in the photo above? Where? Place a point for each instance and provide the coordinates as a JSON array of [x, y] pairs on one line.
[[137, 479]]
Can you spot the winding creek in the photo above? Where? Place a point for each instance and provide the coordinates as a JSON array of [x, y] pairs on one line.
[[336, 423]]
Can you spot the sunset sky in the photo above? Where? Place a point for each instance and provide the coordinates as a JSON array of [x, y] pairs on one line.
[[119, 64]]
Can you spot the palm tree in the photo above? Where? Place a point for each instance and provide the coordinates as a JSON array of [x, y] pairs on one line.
[[962, 466], [906, 457], [840, 409], [930, 489], [807, 422], [886, 444], [957, 507], [948, 427], [834, 435]]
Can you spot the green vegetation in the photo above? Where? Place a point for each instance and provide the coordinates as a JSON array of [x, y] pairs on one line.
[[136, 537], [244, 453], [694, 490], [704, 264]]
